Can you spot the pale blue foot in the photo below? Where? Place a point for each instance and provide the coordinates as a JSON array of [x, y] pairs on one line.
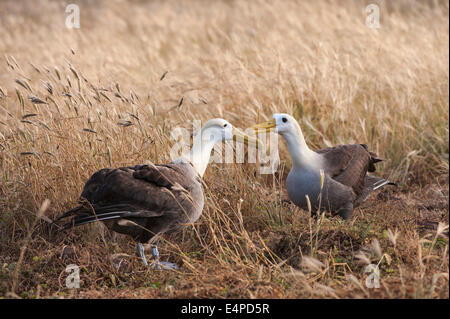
[[165, 265]]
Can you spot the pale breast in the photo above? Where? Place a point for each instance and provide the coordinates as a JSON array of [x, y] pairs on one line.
[[302, 183]]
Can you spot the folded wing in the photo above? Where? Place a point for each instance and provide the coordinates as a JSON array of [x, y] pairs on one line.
[[139, 193], [349, 164]]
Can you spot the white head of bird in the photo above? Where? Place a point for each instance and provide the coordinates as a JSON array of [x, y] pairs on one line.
[[217, 130], [214, 131], [288, 127]]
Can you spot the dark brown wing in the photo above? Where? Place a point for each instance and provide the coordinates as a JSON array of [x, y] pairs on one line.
[[143, 185], [141, 191], [371, 183], [349, 164]]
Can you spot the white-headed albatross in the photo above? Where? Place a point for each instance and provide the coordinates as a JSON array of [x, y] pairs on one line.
[[145, 201], [345, 183]]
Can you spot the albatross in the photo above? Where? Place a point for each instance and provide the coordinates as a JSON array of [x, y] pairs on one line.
[[146, 201], [333, 178]]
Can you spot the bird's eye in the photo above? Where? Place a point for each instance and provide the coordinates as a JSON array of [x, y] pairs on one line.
[[284, 120], [225, 125]]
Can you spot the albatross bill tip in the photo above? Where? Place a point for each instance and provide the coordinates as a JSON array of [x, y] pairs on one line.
[[240, 136], [265, 126]]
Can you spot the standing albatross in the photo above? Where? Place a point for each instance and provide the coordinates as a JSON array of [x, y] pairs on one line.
[[145, 201], [345, 183]]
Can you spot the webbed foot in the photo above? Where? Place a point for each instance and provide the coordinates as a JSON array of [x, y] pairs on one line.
[[164, 265]]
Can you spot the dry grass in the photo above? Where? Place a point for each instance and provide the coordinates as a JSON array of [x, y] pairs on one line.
[[68, 96]]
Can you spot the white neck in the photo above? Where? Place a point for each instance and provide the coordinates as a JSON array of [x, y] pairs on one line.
[[301, 155], [200, 153]]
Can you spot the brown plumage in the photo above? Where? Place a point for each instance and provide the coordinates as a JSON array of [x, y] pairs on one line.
[[333, 178], [146, 201], [348, 165], [141, 201]]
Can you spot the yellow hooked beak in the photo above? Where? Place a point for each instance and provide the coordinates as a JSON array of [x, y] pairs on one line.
[[240, 136], [264, 127]]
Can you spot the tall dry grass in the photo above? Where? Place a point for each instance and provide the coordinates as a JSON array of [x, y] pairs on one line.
[[75, 101]]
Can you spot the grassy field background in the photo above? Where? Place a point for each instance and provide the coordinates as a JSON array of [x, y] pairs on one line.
[[73, 101]]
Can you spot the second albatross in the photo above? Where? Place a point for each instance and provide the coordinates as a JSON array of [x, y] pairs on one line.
[[345, 183]]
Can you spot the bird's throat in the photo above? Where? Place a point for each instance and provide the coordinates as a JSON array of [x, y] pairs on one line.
[[301, 155], [200, 153]]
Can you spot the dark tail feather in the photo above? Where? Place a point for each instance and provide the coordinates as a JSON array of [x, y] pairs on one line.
[[84, 213], [371, 183], [73, 211], [86, 219], [69, 213], [89, 214], [382, 183], [374, 183]]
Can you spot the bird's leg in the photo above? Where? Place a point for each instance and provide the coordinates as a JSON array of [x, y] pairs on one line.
[[140, 250], [161, 264], [155, 254]]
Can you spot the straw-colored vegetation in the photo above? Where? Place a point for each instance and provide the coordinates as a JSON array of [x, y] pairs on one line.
[[73, 101]]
